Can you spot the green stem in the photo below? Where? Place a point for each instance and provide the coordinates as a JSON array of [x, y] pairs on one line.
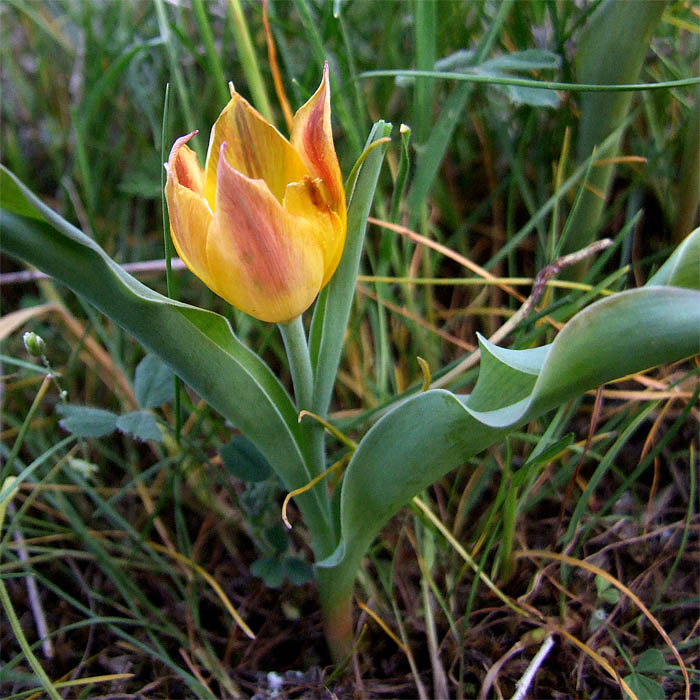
[[294, 338], [297, 349], [336, 600], [336, 608]]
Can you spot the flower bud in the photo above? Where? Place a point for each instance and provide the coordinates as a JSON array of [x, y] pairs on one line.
[[34, 343]]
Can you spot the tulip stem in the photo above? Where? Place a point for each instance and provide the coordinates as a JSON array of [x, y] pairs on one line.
[[294, 338], [297, 349], [336, 601], [336, 604]]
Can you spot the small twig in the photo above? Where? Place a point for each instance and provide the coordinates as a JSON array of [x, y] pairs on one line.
[[147, 267], [523, 684], [549, 271]]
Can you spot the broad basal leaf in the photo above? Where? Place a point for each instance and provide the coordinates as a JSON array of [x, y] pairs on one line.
[[434, 432], [198, 345]]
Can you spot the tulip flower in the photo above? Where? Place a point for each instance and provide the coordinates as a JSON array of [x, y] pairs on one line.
[[263, 224]]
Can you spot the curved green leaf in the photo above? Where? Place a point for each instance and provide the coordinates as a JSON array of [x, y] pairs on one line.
[[199, 346], [434, 432], [681, 269]]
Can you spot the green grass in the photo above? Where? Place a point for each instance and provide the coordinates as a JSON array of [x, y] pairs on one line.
[[493, 179]]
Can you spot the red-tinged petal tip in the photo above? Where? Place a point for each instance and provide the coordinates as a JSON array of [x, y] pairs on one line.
[[190, 215], [312, 137], [179, 143]]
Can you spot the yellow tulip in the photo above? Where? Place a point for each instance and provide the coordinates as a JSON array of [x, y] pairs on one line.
[[263, 224]]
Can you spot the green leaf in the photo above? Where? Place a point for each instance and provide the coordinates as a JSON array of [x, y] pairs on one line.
[[433, 154], [520, 95], [198, 345], [651, 662], [644, 687], [140, 425], [547, 454], [270, 569], [13, 198], [681, 269], [153, 382], [244, 460], [332, 309], [606, 591], [298, 571], [259, 501], [276, 536], [611, 596], [459, 60], [521, 61], [532, 59], [109, 78], [619, 335], [86, 421]]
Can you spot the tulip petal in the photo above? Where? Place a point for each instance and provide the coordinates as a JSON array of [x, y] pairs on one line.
[[304, 199], [254, 147], [268, 261], [312, 137], [190, 215], [185, 166]]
